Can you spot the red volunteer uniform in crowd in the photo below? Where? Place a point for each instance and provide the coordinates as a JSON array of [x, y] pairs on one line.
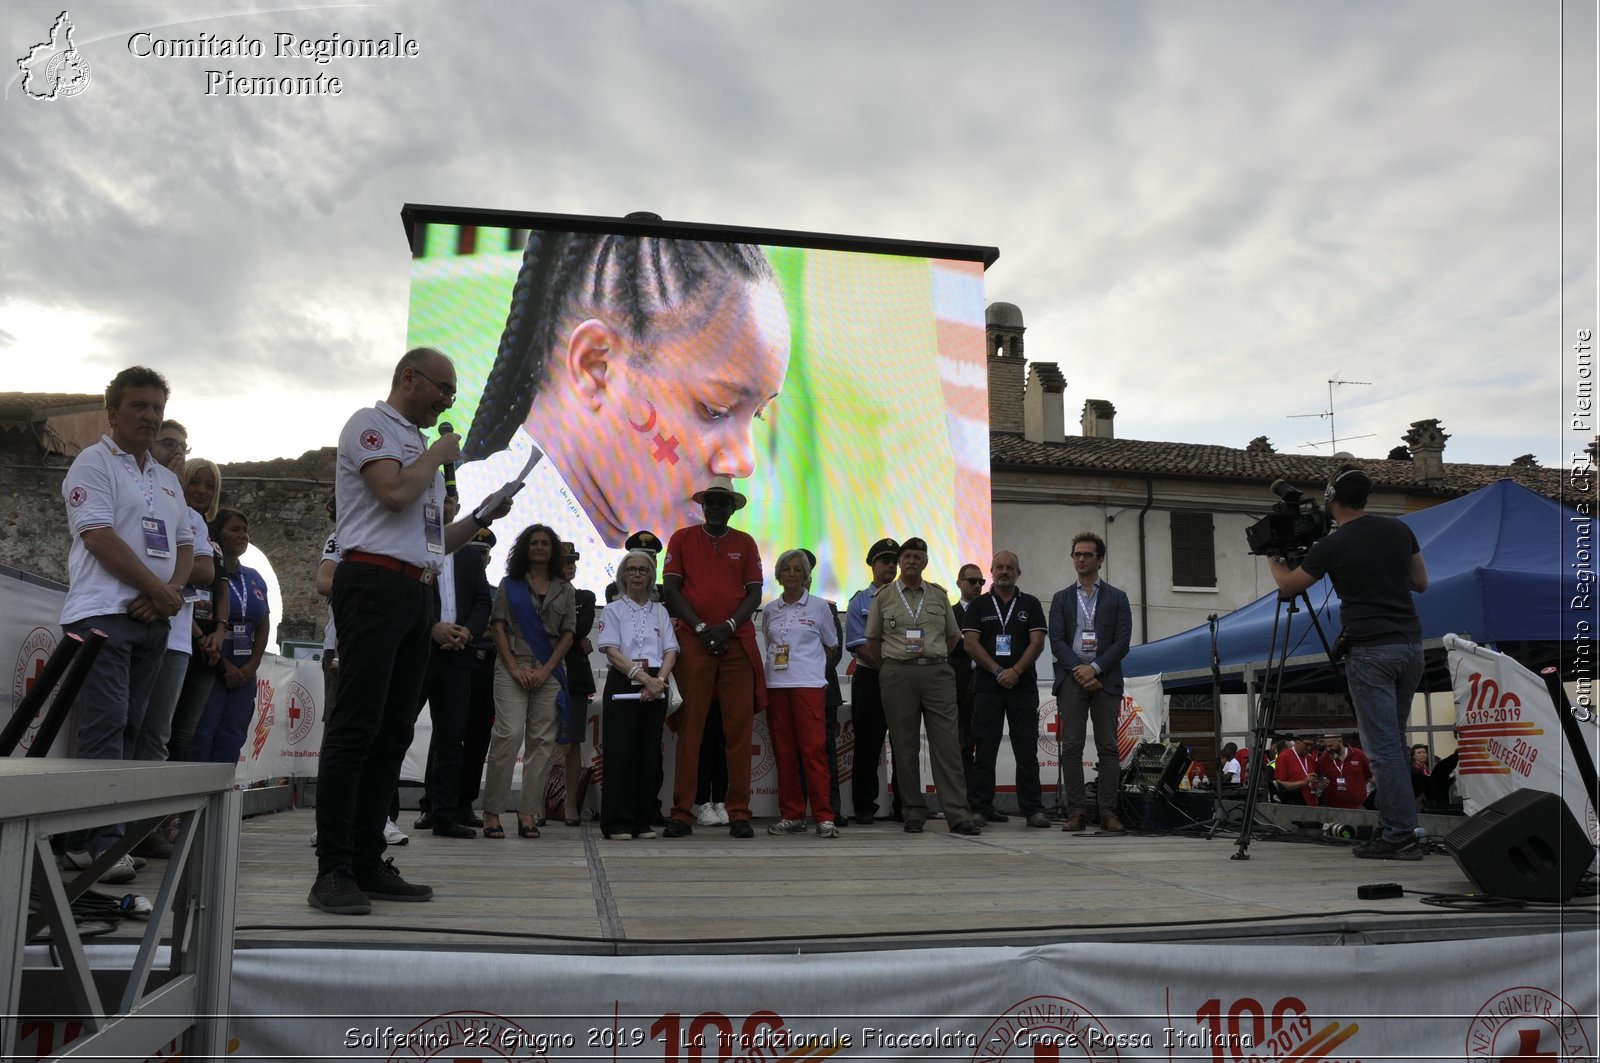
[[713, 585]]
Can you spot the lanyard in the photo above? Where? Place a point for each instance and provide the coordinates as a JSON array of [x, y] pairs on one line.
[[144, 481], [1086, 605], [903, 601], [1005, 621], [787, 612], [636, 620], [239, 589]]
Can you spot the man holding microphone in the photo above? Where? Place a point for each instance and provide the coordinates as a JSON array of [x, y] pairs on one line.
[[390, 489]]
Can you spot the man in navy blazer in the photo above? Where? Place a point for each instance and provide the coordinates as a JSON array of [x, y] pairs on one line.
[[1091, 626]]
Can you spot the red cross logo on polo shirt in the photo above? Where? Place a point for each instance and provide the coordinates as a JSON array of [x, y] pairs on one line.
[[372, 439]]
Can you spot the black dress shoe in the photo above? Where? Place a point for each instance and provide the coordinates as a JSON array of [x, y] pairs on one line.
[[657, 819], [424, 821], [865, 821], [741, 828], [469, 819], [453, 830], [992, 814], [913, 826]]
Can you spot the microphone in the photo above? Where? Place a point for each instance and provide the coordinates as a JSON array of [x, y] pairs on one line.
[[450, 489]]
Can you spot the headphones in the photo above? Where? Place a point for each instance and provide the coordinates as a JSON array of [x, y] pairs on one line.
[[1333, 484]]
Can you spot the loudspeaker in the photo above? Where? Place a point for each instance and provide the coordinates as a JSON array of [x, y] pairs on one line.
[[1526, 846]]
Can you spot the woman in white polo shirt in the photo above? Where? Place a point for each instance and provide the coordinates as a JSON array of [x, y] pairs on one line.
[[635, 633], [799, 632]]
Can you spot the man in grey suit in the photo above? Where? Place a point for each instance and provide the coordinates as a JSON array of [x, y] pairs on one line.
[[1091, 626]]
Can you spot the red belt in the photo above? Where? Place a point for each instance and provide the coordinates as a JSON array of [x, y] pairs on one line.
[[393, 564]]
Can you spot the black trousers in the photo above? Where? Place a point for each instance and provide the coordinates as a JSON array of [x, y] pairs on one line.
[[448, 692], [630, 735], [871, 728], [1017, 710], [475, 732], [384, 619]]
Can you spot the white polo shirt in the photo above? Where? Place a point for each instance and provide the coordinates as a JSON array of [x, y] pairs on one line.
[[805, 626], [182, 637], [373, 434], [641, 632], [105, 488]]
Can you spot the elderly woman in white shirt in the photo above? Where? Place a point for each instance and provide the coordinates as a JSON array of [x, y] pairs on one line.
[[635, 633], [799, 633]]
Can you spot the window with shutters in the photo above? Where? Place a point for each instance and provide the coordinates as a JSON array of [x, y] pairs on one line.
[[1194, 562]]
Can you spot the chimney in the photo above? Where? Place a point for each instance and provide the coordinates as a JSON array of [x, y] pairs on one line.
[[1043, 413], [1004, 329], [1426, 440], [1098, 415]]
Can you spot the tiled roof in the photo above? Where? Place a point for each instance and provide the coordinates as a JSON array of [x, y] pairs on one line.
[[27, 405], [1137, 457]]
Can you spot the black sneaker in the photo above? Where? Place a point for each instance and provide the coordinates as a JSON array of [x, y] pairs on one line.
[[913, 826], [385, 884], [337, 893], [1383, 849], [676, 828], [741, 828]]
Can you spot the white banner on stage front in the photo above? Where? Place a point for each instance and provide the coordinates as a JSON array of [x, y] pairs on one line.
[[30, 631], [1531, 997], [1509, 736], [285, 734]]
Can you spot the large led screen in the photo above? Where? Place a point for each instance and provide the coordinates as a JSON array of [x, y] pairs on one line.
[[844, 391]]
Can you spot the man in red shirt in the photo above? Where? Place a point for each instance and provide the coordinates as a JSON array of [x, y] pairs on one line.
[[1295, 774], [1345, 772], [712, 587]]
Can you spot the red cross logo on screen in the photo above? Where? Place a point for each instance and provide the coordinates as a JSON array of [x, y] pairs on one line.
[[665, 449]]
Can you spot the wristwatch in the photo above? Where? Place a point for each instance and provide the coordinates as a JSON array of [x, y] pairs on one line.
[[699, 629]]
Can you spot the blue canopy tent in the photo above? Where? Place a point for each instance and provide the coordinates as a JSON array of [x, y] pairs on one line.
[[1495, 566]]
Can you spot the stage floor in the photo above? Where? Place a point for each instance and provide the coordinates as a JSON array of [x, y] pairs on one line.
[[876, 887]]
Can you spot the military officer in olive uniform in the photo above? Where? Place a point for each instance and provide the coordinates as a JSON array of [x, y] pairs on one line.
[[911, 629]]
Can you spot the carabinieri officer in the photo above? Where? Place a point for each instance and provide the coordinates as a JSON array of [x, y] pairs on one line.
[[390, 494]]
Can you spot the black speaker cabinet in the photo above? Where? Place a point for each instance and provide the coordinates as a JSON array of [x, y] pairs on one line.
[[1526, 846]]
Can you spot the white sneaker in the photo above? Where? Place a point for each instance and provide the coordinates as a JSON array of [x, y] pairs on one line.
[[788, 826], [393, 834], [722, 813], [826, 829], [313, 839], [121, 871], [645, 834], [708, 815]]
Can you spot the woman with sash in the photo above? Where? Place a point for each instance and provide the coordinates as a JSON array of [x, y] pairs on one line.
[[533, 620]]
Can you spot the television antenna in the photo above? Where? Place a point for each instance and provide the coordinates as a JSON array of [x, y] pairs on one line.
[[1333, 439]]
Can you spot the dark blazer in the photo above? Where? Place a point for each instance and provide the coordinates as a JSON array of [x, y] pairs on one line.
[[1113, 627], [474, 599]]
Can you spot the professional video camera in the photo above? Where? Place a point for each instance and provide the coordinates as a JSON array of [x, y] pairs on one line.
[[1290, 528]]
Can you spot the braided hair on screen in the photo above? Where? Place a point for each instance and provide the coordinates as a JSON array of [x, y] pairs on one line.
[[633, 279]]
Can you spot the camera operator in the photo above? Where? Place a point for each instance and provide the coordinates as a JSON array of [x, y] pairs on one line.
[[1375, 564]]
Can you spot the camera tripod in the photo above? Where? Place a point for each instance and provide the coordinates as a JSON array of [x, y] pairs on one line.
[[1266, 705]]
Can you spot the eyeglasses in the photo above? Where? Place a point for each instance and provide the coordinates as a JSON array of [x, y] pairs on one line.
[[447, 390], [176, 445], [1079, 555], [973, 579], [636, 572]]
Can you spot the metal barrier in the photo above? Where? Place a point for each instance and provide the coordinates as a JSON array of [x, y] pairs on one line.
[[121, 1012]]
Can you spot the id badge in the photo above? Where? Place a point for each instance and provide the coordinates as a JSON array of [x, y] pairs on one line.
[[433, 526], [1002, 645], [780, 657], [239, 638], [1091, 645], [202, 604], [914, 641], [1338, 781], [644, 665], [156, 543]]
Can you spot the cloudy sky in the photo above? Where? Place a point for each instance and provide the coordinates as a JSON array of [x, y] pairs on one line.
[[1205, 210]]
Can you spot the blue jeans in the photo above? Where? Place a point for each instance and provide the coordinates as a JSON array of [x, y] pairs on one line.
[[1383, 680]]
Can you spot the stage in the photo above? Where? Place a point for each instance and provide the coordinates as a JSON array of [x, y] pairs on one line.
[[1021, 943]]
